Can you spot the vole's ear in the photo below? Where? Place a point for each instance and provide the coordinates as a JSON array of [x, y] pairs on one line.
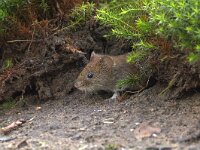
[[93, 54], [106, 61]]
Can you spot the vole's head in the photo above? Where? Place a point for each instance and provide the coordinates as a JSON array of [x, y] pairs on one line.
[[96, 74]]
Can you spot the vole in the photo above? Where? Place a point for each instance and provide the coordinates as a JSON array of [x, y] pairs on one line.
[[104, 71]]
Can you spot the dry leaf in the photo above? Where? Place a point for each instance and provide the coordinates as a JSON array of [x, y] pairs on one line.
[[145, 130]]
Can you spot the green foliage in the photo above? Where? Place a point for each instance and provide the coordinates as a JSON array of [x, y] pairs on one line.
[[124, 18], [178, 21], [3, 14], [44, 6], [128, 81], [141, 49], [152, 25], [21, 10], [143, 26], [111, 147], [136, 56], [2, 17], [8, 104], [8, 63], [10, 7], [193, 57], [80, 14], [13, 7]]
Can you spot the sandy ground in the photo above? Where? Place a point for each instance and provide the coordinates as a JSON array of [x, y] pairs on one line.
[[93, 123]]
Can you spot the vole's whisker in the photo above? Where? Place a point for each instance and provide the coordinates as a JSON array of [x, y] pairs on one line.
[[85, 93], [92, 89]]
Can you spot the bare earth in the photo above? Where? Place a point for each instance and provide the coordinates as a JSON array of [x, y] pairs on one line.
[[93, 123]]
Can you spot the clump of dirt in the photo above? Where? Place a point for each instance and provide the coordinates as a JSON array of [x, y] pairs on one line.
[[38, 72], [178, 75]]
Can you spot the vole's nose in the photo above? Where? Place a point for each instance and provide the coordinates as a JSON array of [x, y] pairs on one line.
[[77, 84]]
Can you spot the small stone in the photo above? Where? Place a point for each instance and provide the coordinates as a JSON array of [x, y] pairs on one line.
[[38, 108]]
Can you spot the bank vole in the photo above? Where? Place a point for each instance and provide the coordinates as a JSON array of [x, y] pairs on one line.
[[104, 71]]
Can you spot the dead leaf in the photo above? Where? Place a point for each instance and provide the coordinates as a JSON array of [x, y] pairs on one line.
[[145, 130]]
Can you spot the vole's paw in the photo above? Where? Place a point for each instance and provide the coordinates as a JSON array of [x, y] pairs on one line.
[[111, 100], [114, 98]]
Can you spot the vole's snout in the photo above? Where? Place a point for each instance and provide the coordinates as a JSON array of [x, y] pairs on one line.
[[78, 84]]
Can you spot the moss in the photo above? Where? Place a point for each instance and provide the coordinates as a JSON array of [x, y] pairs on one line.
[[8, 104], [111, 147]]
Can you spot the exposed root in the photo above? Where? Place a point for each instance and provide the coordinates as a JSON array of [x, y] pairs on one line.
[[171, 83]]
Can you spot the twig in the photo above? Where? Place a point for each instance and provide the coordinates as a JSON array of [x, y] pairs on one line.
[[134, 92], [2, 59], [14, 41], [31, 40], [59, 9], [12, 126]]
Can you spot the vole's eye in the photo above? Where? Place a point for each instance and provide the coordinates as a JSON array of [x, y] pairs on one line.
[[90, 75]]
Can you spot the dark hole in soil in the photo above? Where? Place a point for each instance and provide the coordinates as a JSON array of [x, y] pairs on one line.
[[30, 90], [197, 89], [14, 79], [16, 94], [105, 94], [152, 81], [185, 94], [178, 93], [58, 48], [80, 64]]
